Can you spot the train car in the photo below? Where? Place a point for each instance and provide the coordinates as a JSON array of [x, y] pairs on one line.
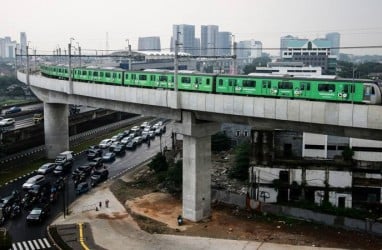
[[196, 82], [107, 76]]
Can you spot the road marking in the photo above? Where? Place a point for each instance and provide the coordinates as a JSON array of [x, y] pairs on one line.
[[46, 242], [36, 244], [41, 243], [30, 244], [25, 245]]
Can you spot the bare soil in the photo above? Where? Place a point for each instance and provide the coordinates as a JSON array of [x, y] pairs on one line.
[[157, 212]]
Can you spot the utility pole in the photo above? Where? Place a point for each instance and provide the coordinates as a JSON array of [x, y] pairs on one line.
[[176, 65], [27, 54], [130, 55], [70, 66], [15, 62], [79, 54]]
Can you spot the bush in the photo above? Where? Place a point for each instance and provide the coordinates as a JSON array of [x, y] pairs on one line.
[[159, 163], [5, 239]]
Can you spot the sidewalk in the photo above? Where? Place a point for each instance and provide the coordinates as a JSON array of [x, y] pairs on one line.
[[113, 228]]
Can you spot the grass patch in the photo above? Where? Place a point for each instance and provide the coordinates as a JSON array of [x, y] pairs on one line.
[[19, 170], [12, 102]]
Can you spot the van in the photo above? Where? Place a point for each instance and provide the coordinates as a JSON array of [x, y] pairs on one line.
[[34, 180], [65, 158]]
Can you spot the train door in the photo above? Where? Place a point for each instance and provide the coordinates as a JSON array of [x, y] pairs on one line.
[[266, 87], [305, 89], [369, 93], [231, 85]]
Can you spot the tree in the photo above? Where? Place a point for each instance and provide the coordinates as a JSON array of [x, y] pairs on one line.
[[220, 142], [239, 170], [159, 163], [257, 62], [175, 174], [5, 239], [347, 154]]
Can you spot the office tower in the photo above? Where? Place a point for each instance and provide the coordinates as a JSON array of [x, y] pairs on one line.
[[334, 38], [185, 34], [208, 40], [23, 42], [151, 43]]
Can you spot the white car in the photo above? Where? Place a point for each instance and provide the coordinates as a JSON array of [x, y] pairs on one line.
[[37, 179], [105, 143], [7, 122]]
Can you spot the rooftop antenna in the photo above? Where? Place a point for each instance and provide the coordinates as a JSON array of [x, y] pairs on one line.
[[107, 41]]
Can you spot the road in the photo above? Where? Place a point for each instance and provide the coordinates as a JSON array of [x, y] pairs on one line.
[[21, 232]]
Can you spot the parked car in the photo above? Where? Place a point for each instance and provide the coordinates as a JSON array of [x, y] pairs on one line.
[[136, 130], [105, 143], [12, 110], [108, 157], [132, 145], [62, 169], [65, 158], [38, 214], [82, 187], [7, 122], [33, 181], [93, 153], [99, 176], [116, 138], [46, 168]]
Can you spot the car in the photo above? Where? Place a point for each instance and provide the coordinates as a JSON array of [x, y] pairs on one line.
[[105, 143], [138, 140], [112, 146], [38, 214], [96, 163], [108, 157], [99, 176], [7, 122], [12, 110], [84, 170], [126, 132], [93, 147], [152, 134], [61, 169], [46, 168], [82, 187], [115, 138], [145, 136], [41, 191], [126, 140], [136, 130], [93, 153], [144, 124], [158, 131], [132, 145], [33, 181], [120, 149]]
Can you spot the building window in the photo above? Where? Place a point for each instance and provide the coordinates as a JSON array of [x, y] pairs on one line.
[[246, 133], [237, 133]]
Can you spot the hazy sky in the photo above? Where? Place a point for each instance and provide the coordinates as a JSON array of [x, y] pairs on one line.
[[49, 23]]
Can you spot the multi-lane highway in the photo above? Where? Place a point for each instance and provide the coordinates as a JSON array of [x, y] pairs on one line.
[[22, 233]]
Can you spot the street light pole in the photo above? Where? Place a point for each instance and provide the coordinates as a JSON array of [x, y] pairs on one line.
[[27, 54], [129, 47], [70, 66]]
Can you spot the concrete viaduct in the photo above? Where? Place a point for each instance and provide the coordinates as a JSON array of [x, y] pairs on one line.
[[198, 116]]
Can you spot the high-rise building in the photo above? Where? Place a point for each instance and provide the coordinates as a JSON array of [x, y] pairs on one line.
[[185, 34], [208, 40], [197, 47], [149, 43], [249, 50], [334, 38], [23, 42], [2, 47], [284, 42], [224, 43]]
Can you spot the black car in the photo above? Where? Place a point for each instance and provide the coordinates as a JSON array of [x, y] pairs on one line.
[[38, 214], [62, 169], [131, 145], [108, 157], [93, 153], [82, 170], [99, 176], [96, 163]]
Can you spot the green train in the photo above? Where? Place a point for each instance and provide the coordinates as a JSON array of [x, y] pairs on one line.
[[320, 89]]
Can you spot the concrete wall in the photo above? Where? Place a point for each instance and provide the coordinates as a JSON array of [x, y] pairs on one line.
[[310, 140], [372, 147]]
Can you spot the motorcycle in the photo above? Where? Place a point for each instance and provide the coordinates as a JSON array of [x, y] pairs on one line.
[[15, 211], [180, 220]]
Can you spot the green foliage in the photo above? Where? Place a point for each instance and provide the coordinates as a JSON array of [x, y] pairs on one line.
[[220, 142], [239, 170], [5, 239], [345, 69], [159, 163], [257, 62], [348, 154], [175, 174]]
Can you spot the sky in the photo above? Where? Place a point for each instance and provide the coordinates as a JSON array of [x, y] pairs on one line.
[[51, 23]]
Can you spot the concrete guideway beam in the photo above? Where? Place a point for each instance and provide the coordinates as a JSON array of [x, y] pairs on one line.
[[56, 128], [196, 166]]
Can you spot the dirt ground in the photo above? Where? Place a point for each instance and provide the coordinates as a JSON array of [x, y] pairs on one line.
[[157, 212]]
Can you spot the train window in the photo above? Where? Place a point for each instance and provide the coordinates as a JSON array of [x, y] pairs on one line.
[[133, 76], [305, 86], [163, 78], [198, 80], [326, 87], [107, 74], [66, 71], [101, 74], [172, 79], [208, 81], [114, 75], [232, 82], [249, 83], [285, 85], [95, 73], [185, 79], [84, 72], [142, 77], [220, 82], [267, 84], [119, 75], [152, 77]]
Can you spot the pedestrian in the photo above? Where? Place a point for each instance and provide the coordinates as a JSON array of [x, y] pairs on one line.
[[100, 204], [107, 203]]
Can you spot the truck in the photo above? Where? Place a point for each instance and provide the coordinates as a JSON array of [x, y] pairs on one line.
[[65, 159], [37, 118]]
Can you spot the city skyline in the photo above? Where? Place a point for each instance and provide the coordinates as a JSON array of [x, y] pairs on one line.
[[48, 26]]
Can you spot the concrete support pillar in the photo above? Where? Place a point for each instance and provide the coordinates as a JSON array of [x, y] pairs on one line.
[[196, 166], [56, 128]]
